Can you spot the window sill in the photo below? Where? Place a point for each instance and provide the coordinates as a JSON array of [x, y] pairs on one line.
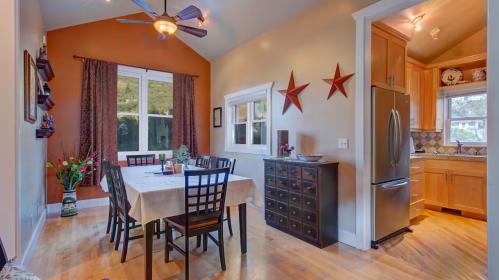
[[248, 150]]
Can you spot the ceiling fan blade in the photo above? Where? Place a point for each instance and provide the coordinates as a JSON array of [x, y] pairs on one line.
[[188, 13], [134, 21], [193, 31], [162, 36], [149, 11]]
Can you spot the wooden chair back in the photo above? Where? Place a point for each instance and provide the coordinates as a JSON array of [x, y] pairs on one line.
[[141, 160], [119, 189], [226, 162], [205, 192], [107, 171], [3, 255], [203, 161]]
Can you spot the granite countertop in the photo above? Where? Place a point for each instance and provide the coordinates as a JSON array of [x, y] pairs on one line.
[[421, 157]]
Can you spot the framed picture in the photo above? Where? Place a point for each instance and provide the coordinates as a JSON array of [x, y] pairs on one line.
[[30, 88], [217, 117]]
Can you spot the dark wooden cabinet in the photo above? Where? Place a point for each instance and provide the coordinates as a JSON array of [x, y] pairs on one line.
[[301, 199]]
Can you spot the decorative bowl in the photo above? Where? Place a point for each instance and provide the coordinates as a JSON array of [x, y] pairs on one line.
[[310, 157]]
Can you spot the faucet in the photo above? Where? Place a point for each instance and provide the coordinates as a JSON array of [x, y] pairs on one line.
[[459, 148]]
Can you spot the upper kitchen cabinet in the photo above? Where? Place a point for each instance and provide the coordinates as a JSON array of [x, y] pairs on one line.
[[415, 88], [433, 101], [388, 58]]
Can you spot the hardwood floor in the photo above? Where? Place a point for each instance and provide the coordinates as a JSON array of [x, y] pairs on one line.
[[443, 246]]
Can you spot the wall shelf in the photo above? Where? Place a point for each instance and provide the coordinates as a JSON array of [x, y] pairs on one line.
[[463, 88], [45, 102], [44, 133], [45, 69]]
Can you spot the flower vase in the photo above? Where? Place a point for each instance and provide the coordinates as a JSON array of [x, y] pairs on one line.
[[286, 154], [186, 166], [69, 204]]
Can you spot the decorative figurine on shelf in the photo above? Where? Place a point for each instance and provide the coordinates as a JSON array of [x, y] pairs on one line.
[[286, 150], [43, 50], [51, 123], [47, 122]]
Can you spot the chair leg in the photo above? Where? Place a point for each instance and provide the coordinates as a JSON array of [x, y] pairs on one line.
[[109, 219], [115, 224], [158, 229], [229, 223], [221, 246], [168, 238], [198, 241], [125, 242], [186, 255], [205, 242], [118, 237]]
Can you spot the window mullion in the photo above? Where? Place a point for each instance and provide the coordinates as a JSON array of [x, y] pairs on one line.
[[249, 126], [143, 115]]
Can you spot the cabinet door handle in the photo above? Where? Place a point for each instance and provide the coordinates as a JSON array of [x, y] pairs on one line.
[[415, 167], [434, 123], [417, 210], [416, 194], [414, 180], [445, 176], [451, 176], [393, 83]]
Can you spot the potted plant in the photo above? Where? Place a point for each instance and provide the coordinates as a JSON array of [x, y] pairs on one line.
[[70, 172], [182, 156]]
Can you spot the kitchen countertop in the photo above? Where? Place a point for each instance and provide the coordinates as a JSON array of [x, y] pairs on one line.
[[421, 157]]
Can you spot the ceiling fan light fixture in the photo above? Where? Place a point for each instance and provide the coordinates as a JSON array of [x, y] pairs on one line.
[[165, 26], [416, 21]]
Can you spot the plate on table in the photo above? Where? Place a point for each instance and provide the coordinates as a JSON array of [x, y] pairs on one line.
[[452, 76]]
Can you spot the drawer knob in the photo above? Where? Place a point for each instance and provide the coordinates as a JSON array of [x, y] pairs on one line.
[[269, 191], [269, 167], [308, 217], [294, 185], [294, 198], [280, 208], [281, 182], [294, 171], [308, 188], [270, 180], [270, 203], [309, 231], [308, 173], [294, 212], [294, 226], [280, 220], [280, 195], [280, 169], [308, 203], [269, 216]]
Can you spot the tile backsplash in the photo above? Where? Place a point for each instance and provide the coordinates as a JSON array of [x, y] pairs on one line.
[[434, 141]]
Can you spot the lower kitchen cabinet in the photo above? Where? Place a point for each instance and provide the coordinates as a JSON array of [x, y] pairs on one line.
[[436, 187]]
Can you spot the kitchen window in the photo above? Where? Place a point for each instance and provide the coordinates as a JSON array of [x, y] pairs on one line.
[[145, 109], [466, 120], [248, 115]]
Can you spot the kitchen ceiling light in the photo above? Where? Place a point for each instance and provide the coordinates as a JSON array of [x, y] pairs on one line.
[[416, 21], [165, 26]]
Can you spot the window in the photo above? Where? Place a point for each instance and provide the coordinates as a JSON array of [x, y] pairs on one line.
[[466, 119], [248, 121], [145, 109]]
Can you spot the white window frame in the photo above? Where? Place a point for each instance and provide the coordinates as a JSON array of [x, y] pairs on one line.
[[144, 75], [248, 96], [449, 119]]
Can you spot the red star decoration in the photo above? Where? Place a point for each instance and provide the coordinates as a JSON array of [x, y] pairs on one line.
[[291, 94], [337, 82]]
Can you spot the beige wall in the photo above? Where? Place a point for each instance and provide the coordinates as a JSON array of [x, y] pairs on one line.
[[33, 151], [310, 44], [475, 44], [8, 115]]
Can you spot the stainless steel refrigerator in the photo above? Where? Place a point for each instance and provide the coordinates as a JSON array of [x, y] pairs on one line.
[[390, 183]]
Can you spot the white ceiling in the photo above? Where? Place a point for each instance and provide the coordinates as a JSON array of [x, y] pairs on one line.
[[456, 19], [230, 23]]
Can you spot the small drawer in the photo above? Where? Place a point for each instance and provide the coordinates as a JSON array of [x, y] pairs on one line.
[[295, 198], [309, 174], [416, 209], [294, 171], [310, 232], [309, 188], [282, 207], [270, 180], [269, 168], [295, 185], [270, 191], [270, 203], [282, 220], [281, 169], [282, 195], [295, 225], [417, 187], [295, 212], [309, 203], [281, 182], [270, 216], [309, 217], [417, 167]]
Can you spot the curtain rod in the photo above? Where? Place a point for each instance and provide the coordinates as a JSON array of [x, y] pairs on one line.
[[81, 57]]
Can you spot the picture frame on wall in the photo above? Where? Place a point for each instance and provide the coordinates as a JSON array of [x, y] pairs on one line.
[[217, 117], [30, 88]]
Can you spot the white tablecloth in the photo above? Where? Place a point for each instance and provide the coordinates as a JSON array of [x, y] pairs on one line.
[[156, 196]]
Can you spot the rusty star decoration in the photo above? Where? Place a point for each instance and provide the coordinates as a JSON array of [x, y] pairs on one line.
[[337, 82], [291, 94]]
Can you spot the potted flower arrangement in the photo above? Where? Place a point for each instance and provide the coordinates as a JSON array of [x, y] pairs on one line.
[[286, 150], [70, 172], [181, 156]]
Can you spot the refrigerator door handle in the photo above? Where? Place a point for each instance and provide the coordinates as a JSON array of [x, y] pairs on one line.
[[391, 187], [391, 127], [399, 138]]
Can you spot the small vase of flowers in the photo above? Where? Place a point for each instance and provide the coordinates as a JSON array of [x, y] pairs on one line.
[[286, 150], [182, 156], [70, 172]]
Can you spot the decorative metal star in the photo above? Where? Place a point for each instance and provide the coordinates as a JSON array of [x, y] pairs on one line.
[[291, 94], [337, 82]]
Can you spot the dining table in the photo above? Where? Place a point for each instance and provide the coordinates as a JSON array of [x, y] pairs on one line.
[[155, 196]]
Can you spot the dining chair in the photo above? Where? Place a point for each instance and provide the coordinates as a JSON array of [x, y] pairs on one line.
[[112, 219], [124, 219], [204, 211], [143, 160], [203, 161], [231, 163]]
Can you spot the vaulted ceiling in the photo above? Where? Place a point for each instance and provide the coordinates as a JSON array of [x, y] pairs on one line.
[[456, 19], [230, 23]]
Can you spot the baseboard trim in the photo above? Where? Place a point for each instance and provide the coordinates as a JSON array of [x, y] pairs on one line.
[[347, 237], [81, 204], [26, 258]]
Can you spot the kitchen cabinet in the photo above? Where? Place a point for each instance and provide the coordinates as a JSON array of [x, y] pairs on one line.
[[417, 199], [415, 88], [388, 58], [468, 191], [436, 187], [433, 101]]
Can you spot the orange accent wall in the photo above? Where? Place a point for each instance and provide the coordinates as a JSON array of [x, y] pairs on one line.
[[131, 44]]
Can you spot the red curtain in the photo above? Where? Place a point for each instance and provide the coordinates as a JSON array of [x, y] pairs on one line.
[[98, 131], [184, 124]]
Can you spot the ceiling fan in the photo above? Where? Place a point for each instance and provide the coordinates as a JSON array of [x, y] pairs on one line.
[[166, 25]]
